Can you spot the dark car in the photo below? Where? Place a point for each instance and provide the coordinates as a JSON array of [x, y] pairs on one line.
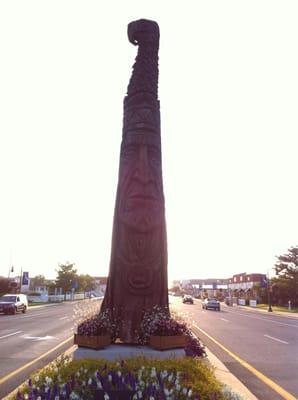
[[12, 303], [211, 304], [187, 299]]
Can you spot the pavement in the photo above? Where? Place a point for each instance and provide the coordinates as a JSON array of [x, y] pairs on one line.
[[282, 313]]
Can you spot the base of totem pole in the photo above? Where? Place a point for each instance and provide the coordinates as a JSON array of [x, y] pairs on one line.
[[122, 351]]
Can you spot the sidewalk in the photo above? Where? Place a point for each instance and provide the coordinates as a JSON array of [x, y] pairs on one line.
[[282, 313]]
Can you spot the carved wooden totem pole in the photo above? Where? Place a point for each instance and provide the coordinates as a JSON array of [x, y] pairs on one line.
[[138, 266]]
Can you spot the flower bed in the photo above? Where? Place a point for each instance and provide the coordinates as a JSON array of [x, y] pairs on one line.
[[132, 379], [97, 331], [159, 322]]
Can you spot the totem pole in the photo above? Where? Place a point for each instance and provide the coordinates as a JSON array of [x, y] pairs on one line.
[[138, 266]]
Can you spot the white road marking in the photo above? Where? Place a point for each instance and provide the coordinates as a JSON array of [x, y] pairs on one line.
[[30, 316], [223, 319], [11, 334], [278, 340], [262, 319], [63, 317], [38, 338]]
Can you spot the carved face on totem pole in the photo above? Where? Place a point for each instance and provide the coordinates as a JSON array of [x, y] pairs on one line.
[[138, 268], [140, 186]]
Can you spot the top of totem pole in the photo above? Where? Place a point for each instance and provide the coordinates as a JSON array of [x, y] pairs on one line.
[[143, 31], [141, 105]]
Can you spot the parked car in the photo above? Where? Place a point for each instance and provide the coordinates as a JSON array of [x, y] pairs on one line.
[[211, 304], [12, 303], [187, 299]]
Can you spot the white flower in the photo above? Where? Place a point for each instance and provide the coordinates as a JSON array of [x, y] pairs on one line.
[[26, 396], [74, 396], [110, 378], [151, 398], [119, 373], [56, 398], [38, 398], [189, 393], [85, 370], [99, 385], [184, 391], [95, 373], [78, 374], [140, 394], [36, 378], [106, 396], [178, 387], [56, 369], [46, 389], [170, 377], [84, 383], [48, 380], [89, 381], [153, 372], [166, 392]]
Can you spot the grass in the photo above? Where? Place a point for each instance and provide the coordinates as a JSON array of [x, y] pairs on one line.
[[277, 308]]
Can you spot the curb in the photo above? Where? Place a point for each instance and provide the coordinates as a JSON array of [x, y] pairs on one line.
[[224, 375]]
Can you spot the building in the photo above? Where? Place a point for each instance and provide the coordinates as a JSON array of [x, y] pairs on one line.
[[101, 285], [209, 287], [243, 284]]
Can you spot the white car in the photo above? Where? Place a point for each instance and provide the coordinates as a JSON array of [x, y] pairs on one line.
[[211, 304], [12, 303]]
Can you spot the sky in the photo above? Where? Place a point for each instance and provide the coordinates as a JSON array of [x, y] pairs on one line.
[[228, 87]]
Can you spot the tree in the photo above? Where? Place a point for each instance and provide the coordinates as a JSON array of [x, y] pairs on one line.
[[38, 280], [286, 267], [86, 283], [4, 285], [67, 275]]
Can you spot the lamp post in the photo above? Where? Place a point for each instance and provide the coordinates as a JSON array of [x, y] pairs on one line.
[[269, 294]]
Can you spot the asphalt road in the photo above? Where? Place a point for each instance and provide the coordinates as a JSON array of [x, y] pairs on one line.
[[266, 341], [26, 337]]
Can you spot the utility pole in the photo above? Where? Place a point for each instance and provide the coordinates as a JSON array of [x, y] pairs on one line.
[[21, 279], [269, 293]]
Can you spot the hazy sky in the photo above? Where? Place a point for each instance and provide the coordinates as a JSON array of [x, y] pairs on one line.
[[228, 87]]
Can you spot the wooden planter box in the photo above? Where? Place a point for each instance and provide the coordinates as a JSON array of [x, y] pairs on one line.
[[92, 342], [167, 342]]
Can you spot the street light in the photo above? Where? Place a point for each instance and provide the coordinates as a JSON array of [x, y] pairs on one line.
[[269, 294]]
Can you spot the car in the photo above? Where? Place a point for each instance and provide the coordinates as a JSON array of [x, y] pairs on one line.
[[12, 303], [213, 304], [187, 299]]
